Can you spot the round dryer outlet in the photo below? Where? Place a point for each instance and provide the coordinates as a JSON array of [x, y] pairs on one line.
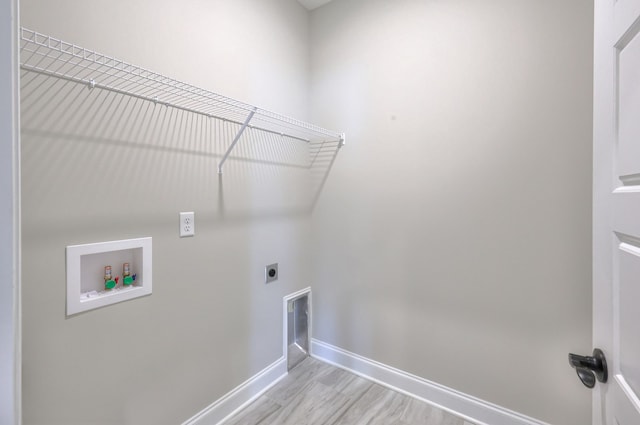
[[271, 273]]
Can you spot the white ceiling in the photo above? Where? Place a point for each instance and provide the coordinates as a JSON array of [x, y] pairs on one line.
[[313, 4]]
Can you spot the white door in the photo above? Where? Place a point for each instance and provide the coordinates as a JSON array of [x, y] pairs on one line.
[[616, 238]]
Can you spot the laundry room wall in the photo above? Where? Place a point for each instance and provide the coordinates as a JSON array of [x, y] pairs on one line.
[[452, 240], [100, 166]]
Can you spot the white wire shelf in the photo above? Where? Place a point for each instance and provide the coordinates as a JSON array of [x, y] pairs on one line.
[[56, 58]]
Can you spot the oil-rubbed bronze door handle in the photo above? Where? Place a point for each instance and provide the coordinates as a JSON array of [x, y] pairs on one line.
[[590, 368]]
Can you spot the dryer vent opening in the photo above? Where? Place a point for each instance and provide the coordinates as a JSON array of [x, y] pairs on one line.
[[297, 330]]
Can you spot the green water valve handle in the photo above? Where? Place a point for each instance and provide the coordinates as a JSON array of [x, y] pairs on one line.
[[109, 284], [128, 280]]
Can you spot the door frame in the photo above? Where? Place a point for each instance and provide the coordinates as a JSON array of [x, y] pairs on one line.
[[602, 266], [10, 245]]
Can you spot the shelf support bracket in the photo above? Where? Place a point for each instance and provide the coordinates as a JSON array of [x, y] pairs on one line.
[[341, 143], [235, 139]]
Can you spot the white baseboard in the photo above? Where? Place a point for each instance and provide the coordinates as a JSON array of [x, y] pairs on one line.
[[470, 408], [237, 399]]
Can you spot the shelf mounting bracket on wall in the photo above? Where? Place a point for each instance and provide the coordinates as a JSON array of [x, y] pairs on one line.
[[245, 124]]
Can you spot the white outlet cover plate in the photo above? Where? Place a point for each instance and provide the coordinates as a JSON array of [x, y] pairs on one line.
[[187, 224]]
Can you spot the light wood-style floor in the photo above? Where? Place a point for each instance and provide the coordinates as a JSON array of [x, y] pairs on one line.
[[315, 393]]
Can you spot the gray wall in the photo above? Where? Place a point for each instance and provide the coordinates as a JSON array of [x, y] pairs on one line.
[[99, 166], [453, 238]]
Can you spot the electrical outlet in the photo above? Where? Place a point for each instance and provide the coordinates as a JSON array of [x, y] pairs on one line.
[[271, 273], [187, 224]]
